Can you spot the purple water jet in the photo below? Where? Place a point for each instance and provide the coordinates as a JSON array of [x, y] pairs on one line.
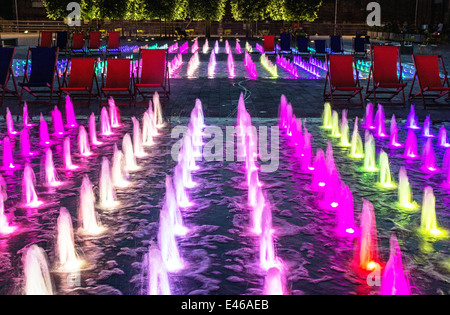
[[8, 163], [58, 124], [411, 145]]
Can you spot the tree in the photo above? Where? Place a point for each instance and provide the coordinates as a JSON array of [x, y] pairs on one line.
[[304, 10], [248, 11], [208, 10], [167, 10]]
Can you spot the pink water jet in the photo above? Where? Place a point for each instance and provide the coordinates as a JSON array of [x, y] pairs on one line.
[[43, 132], [58, 124], [66, 255], [158, 280], [366, 254], [114, 114], [148, 130], [427, 128], [128, 153], [429, 158], [267, 252], [70, 114], [25, 148], [37, 279], [93, 131], [168, 244], [345, 217], [10, 123], [25, 116], [257, 211], [171, 206], [106, 189], [68, 165], [379, 123], [50, 175], [83, 142], [138, 148], [238, 47], [181, 193], [8, 163], [368, 121], [442, 138], [411, 145], [275, 282], [29, 195], [412, 120], [393, 140], [446, 168], [88, 221], [119, 174], [5, 223], [105, 122], [394, 280], [319, 173]]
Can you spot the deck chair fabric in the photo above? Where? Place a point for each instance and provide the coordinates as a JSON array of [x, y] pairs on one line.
[[336, 44], [320, 46], [6, 59], [81, 78], [45, 39], [359, 46], [285, 42], [428, 76], [269, 43], [340, 79], [383, 77], [113, 43], [61, 41], [77, 43], [42, 73], [154, 73], [119, 79], [303, 45], [94, 42]]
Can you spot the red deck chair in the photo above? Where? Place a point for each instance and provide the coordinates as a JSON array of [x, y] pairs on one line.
[[77, 44], [383, 73], [6, 59], [113, 43], [154, 73], [94, 42], [430, 84], [269, 43], [340, 78], [45, 39], [117, 83], [81, 79]]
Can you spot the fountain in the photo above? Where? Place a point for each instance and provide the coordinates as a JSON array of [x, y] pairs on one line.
[[393, 140], [168, 244], [193, 64], [137, 139], [427, 128], [369, 153], [327, 116], [68, 165], [368, 121], [5, 225], [275, 282], [345, 217], [238, 47], [158, 280], [404, 191], [181, 193], [37, 280], [320, 173], [356, 146], [25, 143], [66, 255], [10, 123], [88, 222], [171, 206], [93, 131], [411, 145], [107, 194], [128, 153], [335, 130], [8, 163], [212, 64], [43, 132], [205, 47], [28, 192], [50, 176], [119, 175], [412, 120], [394, 281], [157, 110], [230, 65], [83, 142], [105, 123], [114, 113], [267, 252], [344, 130], [428, 223], [216, 47], [58, 124], [26, 122], [379, 123], [446, 168], [429, 158], [385, 180], [147, 130], [366, 255], [70, 114], [442, 138]]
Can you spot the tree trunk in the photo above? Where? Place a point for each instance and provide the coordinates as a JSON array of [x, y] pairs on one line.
[[207, 28], [160, 27]]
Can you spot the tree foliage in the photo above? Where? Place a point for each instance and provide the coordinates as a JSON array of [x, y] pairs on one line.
[[304, 10], [245, 10], [211, 10]]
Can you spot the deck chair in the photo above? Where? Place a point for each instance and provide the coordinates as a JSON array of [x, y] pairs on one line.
[[6, 59], [336, 45], [80, 81], [94, 43], [117, 83], [383, 74], [40, 78], [340, 79], [359, 46], [45, 39], [285, 42], [320, 45], [113, 43], [269, 43], [154, 74], [77, 44], [303, 45], [61, 41], [430, 84]]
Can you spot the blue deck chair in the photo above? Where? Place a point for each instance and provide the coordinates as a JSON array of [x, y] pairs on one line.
[[320, 46], [336, 46], [61, 41], [285, 43], [40, 78], [359, 46], [302, 45], [6, 59]]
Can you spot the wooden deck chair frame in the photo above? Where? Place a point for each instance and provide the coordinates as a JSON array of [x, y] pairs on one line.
[[427, 92], [347, 92], [391, 88], [9, 73]]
